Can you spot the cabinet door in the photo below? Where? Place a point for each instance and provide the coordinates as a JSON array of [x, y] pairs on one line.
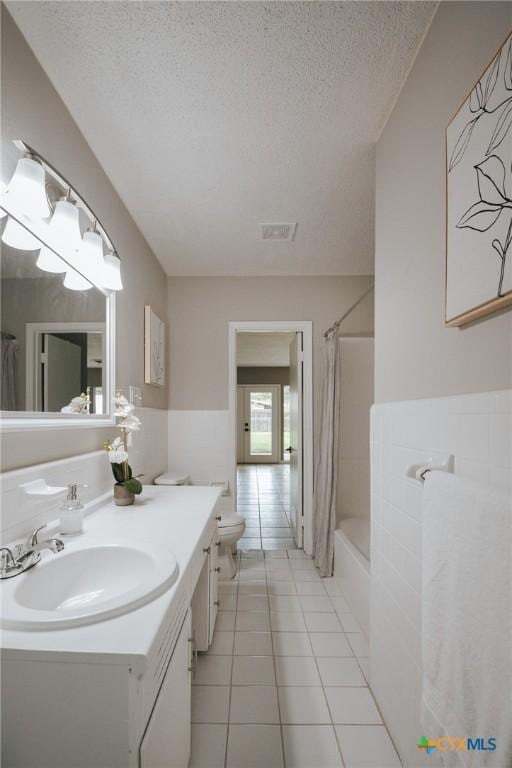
[[213, 588], [201, 607], [166, 743]]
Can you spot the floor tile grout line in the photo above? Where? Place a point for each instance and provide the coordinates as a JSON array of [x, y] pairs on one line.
[[296, 577], [232, 663], [332, 724], [274, 664]]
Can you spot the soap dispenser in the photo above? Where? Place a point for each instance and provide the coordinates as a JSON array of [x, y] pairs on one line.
[[71, 514]]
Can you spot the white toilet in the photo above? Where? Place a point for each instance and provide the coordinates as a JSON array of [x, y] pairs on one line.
[[231, 528], [172, 478]]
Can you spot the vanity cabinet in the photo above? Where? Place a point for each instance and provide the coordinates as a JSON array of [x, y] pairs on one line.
[[117, 694], [205, 602], [213, 590], [166, 741]]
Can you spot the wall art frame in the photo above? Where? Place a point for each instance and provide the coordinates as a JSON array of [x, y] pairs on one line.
[[479, 197], [154, 348]]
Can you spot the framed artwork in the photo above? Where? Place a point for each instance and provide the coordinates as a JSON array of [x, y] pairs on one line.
[[154, 348], [479, 197]]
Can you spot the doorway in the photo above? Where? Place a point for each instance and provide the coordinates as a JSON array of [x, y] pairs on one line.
[[259, 424], [62, 361], [270, 404]]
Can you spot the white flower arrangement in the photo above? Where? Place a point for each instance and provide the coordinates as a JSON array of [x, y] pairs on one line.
[[124, 412], [118, 449], [116, 452], [78, 404]]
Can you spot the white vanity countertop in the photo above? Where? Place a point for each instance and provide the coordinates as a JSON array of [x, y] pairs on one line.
[[174, 516]]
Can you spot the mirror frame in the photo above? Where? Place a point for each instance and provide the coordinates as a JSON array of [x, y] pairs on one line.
[[17, 421]]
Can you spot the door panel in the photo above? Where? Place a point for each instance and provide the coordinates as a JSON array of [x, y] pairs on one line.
[[240, 424], [201, 608], [166, 743], [213, 592], [259, 419], [62, 379], [295, 447]]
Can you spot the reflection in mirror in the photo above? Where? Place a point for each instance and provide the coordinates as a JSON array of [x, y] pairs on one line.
[[53, 339]]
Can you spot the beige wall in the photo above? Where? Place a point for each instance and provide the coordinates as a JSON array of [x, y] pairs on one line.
[[415, 355], [32, 110], [262, 375], [199, 310]]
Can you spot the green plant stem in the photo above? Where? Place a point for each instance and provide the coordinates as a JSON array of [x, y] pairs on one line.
[[125, 445]]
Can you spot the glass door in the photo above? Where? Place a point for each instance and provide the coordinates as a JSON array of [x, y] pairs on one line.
[[260, 424]]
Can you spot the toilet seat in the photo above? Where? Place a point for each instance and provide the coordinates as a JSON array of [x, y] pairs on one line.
[[172, 478], [230, 521], [232, 530]]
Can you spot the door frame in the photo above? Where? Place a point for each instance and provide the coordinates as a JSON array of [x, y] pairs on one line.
[[33, 332], [298, 326]]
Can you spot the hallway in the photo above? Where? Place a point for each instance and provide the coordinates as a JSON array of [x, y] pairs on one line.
[[263, 498]]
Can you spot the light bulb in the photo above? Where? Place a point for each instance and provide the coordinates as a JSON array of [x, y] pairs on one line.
[[48, 261], [112, 273], [65, 225], [27, 189], [91, 255], [18, 237], [75, 282]]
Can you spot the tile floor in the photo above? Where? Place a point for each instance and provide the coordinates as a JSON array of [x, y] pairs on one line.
[[284, 684], [263, 498]]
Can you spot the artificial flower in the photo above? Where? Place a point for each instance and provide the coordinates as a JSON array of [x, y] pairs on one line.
[[122, 406], [79, 404], [131, 423], [118, 449], [117, 457]]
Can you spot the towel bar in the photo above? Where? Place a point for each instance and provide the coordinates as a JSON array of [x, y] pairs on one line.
[[418, 471]]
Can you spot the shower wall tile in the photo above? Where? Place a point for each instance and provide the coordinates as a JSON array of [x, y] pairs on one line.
[[477, 429]]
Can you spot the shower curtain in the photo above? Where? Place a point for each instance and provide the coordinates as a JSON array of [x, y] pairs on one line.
[[8, 390], [326, 469]]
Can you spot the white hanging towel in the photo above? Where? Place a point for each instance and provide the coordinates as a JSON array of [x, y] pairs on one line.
[[467, 618]]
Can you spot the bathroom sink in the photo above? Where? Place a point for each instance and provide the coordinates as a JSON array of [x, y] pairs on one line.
[[86, 585]]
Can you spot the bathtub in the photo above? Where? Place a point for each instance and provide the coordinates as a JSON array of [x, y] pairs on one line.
[[352, 566]]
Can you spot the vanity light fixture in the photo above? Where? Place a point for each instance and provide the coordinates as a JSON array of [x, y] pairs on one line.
[[59, 241], [112, 273], [75, 282], [91, 253], [27, 188], [88, 259], [19, 237], [64, 225], [48, 261]]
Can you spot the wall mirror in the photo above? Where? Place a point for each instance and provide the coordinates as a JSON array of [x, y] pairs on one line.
[[57, 303], [56, 344]]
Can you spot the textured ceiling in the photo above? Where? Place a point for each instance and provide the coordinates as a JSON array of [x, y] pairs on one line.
[[213, 117]]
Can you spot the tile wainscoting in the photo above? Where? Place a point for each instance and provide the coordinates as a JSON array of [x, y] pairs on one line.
[[200, 446], [477, 429], [21, 514]]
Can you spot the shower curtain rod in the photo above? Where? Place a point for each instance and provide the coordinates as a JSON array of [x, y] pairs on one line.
[[336, 325]]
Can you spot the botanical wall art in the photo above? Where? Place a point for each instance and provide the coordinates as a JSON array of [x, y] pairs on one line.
[[154, 348], [479, 197]]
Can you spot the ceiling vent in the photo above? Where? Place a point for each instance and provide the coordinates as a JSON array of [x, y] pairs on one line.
[[279, 231]]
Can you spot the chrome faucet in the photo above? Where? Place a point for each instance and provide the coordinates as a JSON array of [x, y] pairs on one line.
[[26, 555]]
